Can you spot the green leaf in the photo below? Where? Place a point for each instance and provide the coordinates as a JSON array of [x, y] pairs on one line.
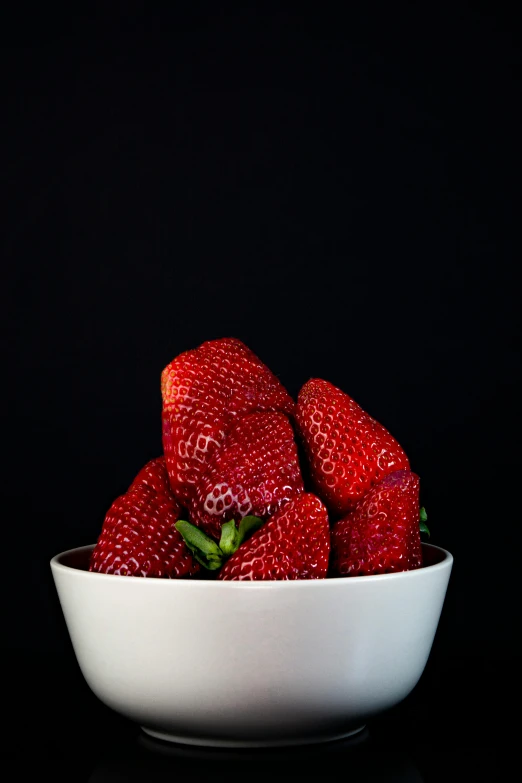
[[248, 526], [204, 548], [206, 551], [232, 538], [423, 519], [229, 541]]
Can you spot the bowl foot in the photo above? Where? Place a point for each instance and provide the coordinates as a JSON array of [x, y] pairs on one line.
[[211, 742]]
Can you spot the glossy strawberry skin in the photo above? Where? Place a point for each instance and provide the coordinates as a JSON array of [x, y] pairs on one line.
[[138, 537], [255, 472], [154, 474], [293, 544], [204, 391], [348, 451], [381, 535]]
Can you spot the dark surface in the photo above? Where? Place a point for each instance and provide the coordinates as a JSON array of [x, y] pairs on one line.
[[453, 726], [337, 191]]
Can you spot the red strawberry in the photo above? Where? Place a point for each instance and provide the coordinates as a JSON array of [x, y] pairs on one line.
[[138, 536], [348, 450], [204, 391], [382, 534], [154, 474], [255, 472], [293, 544]]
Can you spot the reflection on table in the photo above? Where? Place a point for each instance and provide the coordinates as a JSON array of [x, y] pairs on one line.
[[356, 759]]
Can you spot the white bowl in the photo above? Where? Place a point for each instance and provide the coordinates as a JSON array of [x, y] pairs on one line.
[[251, 663]]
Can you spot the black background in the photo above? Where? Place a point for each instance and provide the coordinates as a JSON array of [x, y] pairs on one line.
[[336, 189]]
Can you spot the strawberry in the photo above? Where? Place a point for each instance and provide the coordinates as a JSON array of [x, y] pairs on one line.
[[138, 536], [293, 544], [154, 474], [382, 534], [204, 391], [348, 451], [255, 472]]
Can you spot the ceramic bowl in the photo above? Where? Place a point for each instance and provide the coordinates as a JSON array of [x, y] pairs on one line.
[[251, 663]]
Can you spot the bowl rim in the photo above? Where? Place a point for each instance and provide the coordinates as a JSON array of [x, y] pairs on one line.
[[445, 562]]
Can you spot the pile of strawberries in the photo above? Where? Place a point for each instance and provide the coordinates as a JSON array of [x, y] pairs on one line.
[[254, 486]]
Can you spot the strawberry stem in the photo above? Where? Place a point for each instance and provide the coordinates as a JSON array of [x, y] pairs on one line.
[[247, 526], [423, 519], [204, 548], [206, 551], [229, 541]]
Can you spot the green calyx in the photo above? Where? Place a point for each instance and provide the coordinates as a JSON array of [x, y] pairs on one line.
[[208, 552], [423, 519]]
